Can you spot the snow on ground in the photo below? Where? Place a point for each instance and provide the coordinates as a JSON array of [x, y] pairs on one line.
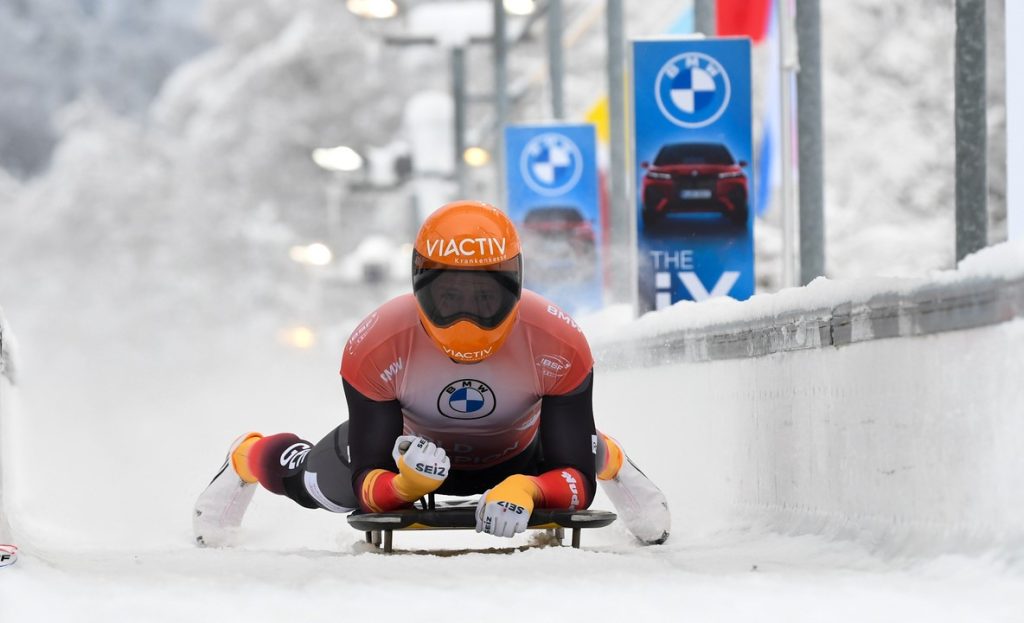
[[733, 576], [105, 461]]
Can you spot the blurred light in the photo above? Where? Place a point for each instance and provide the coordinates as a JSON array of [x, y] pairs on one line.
[[340, 158], [316, 254], [520, 7], [476, 156], [298, 337], [373, 9]]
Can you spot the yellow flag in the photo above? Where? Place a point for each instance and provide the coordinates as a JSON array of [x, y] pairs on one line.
[[598, 115]]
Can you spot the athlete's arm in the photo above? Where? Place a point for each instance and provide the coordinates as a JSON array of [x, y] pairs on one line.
[[373, 427], [567, 438], [374, 431]]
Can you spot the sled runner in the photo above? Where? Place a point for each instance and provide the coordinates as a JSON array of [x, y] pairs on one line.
[[461, 515]]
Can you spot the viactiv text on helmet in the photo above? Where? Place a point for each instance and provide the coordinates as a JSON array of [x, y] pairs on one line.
[[468, 250]]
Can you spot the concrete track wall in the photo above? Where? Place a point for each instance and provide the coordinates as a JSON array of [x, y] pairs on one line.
[[910, 439]]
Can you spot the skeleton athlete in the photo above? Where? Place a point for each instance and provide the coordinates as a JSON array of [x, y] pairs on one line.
[[468, 385]]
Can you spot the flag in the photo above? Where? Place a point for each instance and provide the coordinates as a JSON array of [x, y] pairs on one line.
[[743, 18]]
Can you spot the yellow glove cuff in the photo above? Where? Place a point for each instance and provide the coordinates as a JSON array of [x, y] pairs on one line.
[[411, 485], [517, 489]]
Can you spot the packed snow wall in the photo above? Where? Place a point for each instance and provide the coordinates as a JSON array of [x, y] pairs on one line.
[[887, 411], [6, 385]]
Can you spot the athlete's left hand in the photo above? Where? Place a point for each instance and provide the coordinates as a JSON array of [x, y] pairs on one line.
[[505, 510]]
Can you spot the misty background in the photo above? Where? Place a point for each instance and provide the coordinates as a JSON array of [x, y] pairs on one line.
[[155, 171]]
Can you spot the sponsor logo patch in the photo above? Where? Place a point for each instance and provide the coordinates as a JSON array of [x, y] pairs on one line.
[[391, 371], [573, 490], [551, 164], [361, 332], [294, 454], [475, 355], [484, 249], [466, 399], [564, 317], [463, 454], [693, 90], [553, 366]]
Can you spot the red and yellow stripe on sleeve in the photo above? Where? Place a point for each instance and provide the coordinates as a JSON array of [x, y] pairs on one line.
[[377, 493], [558, 488], [561, 488]]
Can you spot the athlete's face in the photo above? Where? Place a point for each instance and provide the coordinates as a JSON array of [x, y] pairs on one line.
[[471, 292]]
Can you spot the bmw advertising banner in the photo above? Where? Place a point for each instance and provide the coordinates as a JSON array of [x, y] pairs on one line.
[[553, 199], [692, 128]]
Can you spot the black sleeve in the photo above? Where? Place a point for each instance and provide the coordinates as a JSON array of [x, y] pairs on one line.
[[567, 432], [372, 429]]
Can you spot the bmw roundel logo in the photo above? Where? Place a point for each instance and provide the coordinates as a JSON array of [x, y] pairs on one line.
[[692, 90], [551, 164], [466, 399]]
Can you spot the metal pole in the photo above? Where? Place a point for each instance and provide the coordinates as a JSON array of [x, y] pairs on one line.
[[1014, 119], [787, 65], [704, 19], [459, 97], [811, 150], [556, 67], [971, 180], [622, 219], [500, 96]]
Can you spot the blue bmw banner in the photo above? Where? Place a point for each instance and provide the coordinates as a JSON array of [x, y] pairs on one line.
[[692, 128], [553, 199]]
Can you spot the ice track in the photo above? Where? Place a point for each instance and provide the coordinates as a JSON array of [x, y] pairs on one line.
[[730, 576], [879, 481]]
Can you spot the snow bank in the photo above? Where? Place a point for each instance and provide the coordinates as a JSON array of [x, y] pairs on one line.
[[908, 444], [614, 328], [7, 375], [8, 350]]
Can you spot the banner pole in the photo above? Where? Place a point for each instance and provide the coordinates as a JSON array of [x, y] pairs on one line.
[[788, 65], [1014, 119]]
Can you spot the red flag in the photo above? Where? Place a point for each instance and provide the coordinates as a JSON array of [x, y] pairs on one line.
[[743, 17]]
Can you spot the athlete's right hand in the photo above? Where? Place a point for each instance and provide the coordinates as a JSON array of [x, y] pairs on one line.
[[422, 466]]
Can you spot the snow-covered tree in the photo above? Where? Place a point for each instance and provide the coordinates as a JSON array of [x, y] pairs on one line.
[[184, 218], [55, 50]]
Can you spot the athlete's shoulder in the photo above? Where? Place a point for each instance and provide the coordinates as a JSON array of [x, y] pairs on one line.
[[384, 323], [564, 359], [543, 315], [374, 344]]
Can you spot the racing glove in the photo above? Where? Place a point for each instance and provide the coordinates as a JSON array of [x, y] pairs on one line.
[[422, 467], [505, 510]]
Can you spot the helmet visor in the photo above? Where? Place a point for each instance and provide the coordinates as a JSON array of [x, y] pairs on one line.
[[484, 296]]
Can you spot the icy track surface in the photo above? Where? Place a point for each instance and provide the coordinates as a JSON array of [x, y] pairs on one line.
[[111, 542], [102, 473], [740, 576]]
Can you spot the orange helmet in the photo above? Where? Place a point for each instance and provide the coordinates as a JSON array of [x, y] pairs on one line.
[[467, 276]]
